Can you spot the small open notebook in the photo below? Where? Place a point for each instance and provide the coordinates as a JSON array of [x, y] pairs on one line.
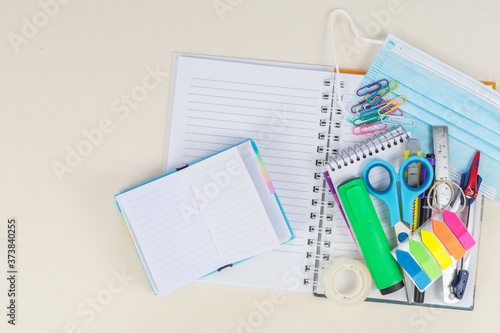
[[204, 217]]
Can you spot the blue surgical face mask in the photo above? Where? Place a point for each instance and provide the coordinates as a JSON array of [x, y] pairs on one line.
[[439, 95]]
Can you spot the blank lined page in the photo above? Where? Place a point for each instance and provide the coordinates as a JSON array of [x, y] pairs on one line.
[[175, 249], [231, 207], [218, 104]]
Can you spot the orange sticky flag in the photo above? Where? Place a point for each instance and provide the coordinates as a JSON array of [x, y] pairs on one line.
[[448, 239]]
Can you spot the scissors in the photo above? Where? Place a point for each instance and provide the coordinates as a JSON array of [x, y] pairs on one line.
[[401, 222]]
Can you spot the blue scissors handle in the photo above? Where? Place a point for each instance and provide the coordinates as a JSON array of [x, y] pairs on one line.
[[390, 194]]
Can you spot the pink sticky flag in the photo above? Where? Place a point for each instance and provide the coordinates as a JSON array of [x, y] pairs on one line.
[[459, 230]]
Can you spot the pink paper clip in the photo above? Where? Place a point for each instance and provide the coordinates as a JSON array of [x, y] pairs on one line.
[[368, 129], [378, 84]]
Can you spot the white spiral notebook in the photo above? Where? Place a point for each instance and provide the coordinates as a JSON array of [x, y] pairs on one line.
[[290, 111]]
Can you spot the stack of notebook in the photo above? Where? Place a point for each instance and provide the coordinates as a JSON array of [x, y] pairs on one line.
[[290, 112]]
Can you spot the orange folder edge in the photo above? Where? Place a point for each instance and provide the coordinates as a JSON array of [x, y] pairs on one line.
[[355, 71]]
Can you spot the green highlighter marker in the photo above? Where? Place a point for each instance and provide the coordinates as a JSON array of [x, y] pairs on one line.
[[370, 236]]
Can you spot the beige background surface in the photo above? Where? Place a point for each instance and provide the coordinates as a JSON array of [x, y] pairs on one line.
[[63, 80]]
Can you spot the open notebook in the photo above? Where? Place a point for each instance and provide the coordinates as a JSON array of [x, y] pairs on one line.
[[204, 217], [290, 111]]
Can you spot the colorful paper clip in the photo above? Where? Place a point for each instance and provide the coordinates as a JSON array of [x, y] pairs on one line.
[[362, 106], [376, 97], [394, 104], [397, 120], [354, 108], [378, 84], [397, 113], [393, 108], [368, 129], [367, 119]]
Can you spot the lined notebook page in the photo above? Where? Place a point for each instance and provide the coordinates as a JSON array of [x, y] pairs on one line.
[[231, 207], [174, 251], [217, 104]]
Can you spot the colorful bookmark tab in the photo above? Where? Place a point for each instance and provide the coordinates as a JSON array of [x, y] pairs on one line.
[[412, 268], [448, 239], [424, 259], [263, 168], [459, 230], [436, 249]]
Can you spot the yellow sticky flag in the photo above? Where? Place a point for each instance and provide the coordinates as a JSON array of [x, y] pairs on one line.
[[436, 249]]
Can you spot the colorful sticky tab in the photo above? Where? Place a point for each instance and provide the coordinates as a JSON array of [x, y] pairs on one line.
[[436, 249], [412, 268], [449, 241], [459, 230], [424, 259], [266, 176]]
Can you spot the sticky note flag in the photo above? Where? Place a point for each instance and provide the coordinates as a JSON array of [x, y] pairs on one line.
[[412, 268], [448, 239], [425, 260], [436, 249], [459, 230]]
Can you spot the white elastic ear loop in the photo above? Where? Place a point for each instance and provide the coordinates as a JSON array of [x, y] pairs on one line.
[[365, 40]]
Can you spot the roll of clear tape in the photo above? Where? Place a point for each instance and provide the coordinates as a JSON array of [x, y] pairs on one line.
[[346, 281]]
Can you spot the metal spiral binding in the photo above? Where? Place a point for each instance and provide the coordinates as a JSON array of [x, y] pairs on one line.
[[320, 203], [323, 136], [331, 121], [350, 155]]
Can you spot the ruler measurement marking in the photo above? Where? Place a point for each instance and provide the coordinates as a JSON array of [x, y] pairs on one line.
[[441, 150]]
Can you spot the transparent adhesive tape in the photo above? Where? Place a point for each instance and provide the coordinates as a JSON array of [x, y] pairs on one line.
[[346, 281]]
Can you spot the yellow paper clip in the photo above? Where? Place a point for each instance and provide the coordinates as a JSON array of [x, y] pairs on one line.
[[392, 107]]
